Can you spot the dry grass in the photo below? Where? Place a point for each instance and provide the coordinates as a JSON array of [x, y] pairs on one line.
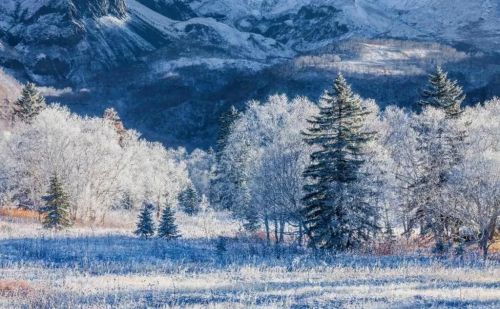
[[495, 247], [19, 213], [11, 288]]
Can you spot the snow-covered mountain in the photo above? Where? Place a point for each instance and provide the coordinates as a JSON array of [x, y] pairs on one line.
[[171, 66]]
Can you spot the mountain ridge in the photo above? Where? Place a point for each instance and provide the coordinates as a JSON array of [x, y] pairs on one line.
[[172, 66]]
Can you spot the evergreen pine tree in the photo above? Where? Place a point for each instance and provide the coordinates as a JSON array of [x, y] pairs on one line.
[[389, 232], [443, 93], [221, 246], [189, 201], [30, 104], [226, 121], [239, 195], [336, 213], [56, 206], [220, 183], [167, 228], [145, 225], [251, 220], [442, 152]]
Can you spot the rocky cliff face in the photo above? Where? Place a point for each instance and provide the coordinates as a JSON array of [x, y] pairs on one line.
[[64, 41], [53, 22], [98, 8]]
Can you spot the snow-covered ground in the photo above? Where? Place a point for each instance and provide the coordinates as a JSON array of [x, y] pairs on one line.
[[108, 267]]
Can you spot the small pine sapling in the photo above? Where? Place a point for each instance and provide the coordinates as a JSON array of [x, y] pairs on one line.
[[167, 228], [145, 225]]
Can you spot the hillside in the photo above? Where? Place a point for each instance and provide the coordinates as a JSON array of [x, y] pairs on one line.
[[171, 66]]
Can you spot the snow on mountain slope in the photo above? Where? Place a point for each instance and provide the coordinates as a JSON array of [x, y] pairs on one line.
[[159, 61], [249, 45], [449, 20], [78, 38], [446, 20], [381, 58], [10, 89], [61, 41]]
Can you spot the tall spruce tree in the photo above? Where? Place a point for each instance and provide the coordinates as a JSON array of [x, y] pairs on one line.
[[441, 152], [189, 201], [56, 206], [446, 95], [443, 93], [220, 183], [29, 105], [145, 225], [226, 121], [167, 228], [337, 215]]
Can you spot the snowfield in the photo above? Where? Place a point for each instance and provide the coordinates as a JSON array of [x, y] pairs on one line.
[[109, 268]]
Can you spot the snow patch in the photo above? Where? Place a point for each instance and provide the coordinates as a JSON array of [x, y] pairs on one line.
[[168, 67]]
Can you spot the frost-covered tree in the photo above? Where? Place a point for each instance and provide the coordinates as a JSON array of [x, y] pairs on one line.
[[189, 200], [145, 225], [55, 211], [473, 190], [440, 139], [337, 211], [158, 176], [420, 163], [400, 140], [201, 166], [435, 141], [126, 202], [434, 166], [167, 228], [86, 152], [445, 197], [30, 104], [266, 151], [443, 93], [204, 203]]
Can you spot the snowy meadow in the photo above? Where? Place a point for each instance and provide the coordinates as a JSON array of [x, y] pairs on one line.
[[105, 268]]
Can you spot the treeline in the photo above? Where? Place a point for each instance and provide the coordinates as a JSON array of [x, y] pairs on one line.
[[76, 169], [341, 174], [338, 174]]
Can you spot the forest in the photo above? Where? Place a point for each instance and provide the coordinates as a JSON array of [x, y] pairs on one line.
[[289, 181]]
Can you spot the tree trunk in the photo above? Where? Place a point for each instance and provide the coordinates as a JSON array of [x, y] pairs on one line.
[[301, 235], [282, 230], [276, 231], [487, 235], [268, 232], [158, 209]]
